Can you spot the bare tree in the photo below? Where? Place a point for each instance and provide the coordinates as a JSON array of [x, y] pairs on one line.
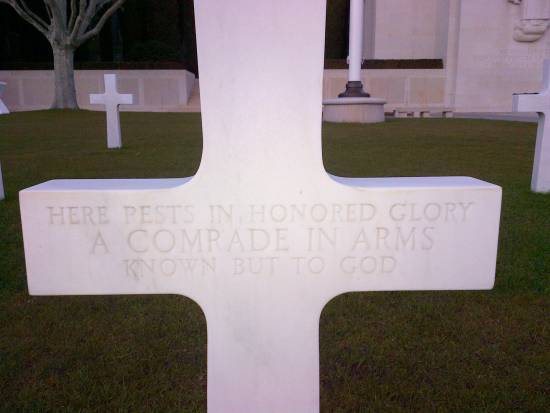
[[67, 24]]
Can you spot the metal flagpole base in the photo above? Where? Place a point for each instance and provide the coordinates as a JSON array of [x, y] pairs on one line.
[[354, 89]]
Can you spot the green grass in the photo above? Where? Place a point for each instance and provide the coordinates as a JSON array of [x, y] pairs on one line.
[[384, 352]]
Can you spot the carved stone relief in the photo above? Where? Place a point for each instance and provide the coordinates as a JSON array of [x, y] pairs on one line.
[[534, 20]]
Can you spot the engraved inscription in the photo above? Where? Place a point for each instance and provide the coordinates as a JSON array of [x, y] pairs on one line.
[[346, 239]]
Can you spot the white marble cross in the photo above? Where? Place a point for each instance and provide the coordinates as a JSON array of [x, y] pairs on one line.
[[2, 194], [539, 102], [3, 108], [261, 237], [112, 99]]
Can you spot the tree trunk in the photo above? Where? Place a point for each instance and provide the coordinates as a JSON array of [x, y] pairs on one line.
[[65, 92]]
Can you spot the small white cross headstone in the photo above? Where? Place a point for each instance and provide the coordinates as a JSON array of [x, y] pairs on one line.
[[261, 237], [2, 194], [3, 108], [112, 99], [540, 103]]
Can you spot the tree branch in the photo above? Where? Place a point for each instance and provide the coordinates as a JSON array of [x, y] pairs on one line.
[[72, 19], [57, 14], [78, 22], [31, 13], [23, 10], [95, 31], [49, 10]]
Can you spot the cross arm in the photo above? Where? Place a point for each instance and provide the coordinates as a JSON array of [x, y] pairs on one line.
[[531, 102], [3, 107], [97, 99], [121, 99], [426, 233], [111, 97], [88, 237], [126, 99], [535, 102]]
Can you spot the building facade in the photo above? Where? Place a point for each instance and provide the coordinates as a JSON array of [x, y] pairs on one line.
[[490, 49], [487, 50]]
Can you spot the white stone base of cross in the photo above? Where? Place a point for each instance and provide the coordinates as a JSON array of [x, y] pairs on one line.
[[112, 99], [3, 108], [261, 237], [540, 103]]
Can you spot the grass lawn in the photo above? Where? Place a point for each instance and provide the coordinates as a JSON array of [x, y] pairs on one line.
[[484, 351]]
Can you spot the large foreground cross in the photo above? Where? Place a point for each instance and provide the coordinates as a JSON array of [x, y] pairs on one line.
[[540, 103], [261, 237]]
